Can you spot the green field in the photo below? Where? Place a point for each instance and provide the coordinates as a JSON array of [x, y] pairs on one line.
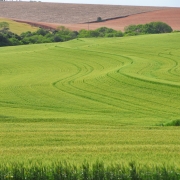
[[91, 99], [17, 27]]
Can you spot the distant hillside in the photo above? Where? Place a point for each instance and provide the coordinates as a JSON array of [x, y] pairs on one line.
[[66, 13], [170, 16]]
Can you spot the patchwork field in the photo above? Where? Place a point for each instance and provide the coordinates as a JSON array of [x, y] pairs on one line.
[[90, 99]]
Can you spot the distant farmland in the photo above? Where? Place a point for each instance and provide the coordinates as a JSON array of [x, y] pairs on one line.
[[78, 16], [91, 98], [63, 13]]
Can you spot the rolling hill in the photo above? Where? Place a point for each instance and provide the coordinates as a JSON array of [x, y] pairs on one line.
[[89, 99], [64, 13], [82, 16], [121, 78]]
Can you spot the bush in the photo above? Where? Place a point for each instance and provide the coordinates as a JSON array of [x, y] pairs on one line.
[[99, 19], [42, 32], [4, 25], [159, 27], [150, 28], [173, 123], [100, 32], [4, 41], [176, 31], [119, 34]]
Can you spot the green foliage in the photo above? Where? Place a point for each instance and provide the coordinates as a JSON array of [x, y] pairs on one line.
[[176, 31], [100, 32], [173, 123], [150, 28], [4, 26], [42, 32], [4, 41], [99, 19], [63, 34], [60, 35], [40, 36], [98, 171]]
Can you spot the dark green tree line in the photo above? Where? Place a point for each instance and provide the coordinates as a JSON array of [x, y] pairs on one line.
[[61, 34]]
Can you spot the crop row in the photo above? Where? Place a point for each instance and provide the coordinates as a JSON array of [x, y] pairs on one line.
[[96, 171]]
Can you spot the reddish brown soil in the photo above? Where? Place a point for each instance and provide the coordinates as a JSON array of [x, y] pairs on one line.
[[170, 16]]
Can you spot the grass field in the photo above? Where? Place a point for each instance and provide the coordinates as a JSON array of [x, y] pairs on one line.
[[91, 99], [17, 27]]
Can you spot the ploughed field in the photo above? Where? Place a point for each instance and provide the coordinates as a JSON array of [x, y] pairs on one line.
[[170, 16], [66, 13], [103, 98]]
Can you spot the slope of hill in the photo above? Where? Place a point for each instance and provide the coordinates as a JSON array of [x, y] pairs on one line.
[[170, 16], [66, 13], [91, 99], [121, 78]]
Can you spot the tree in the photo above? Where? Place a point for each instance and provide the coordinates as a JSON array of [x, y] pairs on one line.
[[99, 19], [160, 27], [4, 26], [42, 31], [149, 28], [4, 40]]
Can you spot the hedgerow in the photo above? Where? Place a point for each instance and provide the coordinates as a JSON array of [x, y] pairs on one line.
[[62, 34]]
